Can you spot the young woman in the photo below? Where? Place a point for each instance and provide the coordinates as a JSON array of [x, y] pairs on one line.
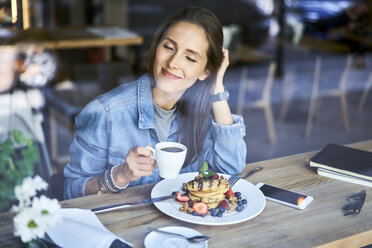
[[181, 98]]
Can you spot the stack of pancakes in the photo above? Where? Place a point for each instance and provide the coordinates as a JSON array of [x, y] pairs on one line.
[[207, 190]]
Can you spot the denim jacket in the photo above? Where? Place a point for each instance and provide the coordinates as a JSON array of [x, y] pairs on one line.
[[123, 118]]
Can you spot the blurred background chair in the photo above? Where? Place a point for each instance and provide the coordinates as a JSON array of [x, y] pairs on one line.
[[365, 93], [340, 92], [264, 102], [288, 91]]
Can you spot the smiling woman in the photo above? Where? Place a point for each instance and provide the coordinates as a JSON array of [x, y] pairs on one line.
[[181, 98], [180, 60]]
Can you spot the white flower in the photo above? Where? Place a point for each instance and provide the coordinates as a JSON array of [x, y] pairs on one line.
[[26, 225], [32, 221], [48, 209], [39, 183], [28, 189]]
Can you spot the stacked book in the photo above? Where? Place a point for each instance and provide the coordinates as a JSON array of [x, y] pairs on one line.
[[344, 163]]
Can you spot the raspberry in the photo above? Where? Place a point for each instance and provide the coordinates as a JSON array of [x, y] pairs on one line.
[[224, 204], [214, 177]]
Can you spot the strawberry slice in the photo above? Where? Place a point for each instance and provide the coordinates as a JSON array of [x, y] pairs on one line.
[[200, 208], [229, 193], [182, 198]]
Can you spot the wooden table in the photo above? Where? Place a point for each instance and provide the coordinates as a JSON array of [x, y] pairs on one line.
[[71, 38], [322, 224]]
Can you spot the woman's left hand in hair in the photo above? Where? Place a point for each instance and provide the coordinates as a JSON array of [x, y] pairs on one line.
[[221, 109], [221, 72]]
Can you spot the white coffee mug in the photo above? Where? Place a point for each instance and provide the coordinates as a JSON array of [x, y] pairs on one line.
[[169, 157]]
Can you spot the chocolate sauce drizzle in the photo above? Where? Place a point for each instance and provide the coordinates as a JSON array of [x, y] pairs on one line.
[[201, 182]]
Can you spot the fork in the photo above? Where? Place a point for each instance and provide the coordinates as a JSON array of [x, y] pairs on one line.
[[232, 180]]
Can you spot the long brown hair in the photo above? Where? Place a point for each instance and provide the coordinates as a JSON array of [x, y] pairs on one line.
[[195, 104]]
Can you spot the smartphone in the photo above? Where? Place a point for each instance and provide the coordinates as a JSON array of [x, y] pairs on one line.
[[284, 196]]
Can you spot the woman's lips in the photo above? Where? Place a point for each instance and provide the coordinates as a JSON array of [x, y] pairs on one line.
[[168, 74]]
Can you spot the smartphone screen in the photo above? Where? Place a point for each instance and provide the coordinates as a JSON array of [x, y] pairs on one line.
[[284, 196]]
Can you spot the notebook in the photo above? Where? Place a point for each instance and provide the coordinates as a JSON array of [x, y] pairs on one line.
[[344, 177], [344, 160]]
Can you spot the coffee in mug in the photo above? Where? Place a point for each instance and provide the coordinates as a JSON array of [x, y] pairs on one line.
[[169, 157], [171, 149]]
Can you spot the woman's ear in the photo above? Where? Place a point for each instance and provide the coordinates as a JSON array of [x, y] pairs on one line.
[[204, 76]]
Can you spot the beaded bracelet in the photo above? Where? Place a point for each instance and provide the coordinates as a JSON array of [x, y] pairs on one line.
[[107, 183], [100, 186], [112, 181]]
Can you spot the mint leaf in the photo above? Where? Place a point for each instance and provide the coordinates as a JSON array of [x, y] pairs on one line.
[[204, 171], [204, 168], [210, 173]]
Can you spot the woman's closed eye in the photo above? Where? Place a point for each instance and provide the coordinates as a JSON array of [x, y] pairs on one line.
[[168, 47], [172, 49], [191, 59]]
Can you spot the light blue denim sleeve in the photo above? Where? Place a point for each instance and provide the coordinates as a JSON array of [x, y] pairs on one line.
[[88, 151], [225, 148]]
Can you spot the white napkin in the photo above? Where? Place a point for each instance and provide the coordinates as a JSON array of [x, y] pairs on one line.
[[81, 228]]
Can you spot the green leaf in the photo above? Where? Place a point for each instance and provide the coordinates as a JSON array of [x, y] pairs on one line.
[[17, 135], [11, 164], [6, 148], [204, 168], [210, 173], [204, 171], [18, 157]]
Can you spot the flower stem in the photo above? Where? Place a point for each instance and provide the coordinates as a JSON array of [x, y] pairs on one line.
[[37, 243]]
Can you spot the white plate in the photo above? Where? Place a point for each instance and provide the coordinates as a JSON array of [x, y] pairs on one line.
[[255, 198], [156, 240]]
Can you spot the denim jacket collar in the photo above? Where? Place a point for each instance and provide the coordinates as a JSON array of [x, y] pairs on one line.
[[145, 103]]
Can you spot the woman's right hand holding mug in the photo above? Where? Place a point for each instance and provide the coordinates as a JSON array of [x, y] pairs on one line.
[[138, 163]]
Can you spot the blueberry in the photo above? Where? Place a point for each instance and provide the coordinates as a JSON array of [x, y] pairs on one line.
[[238, 194], [239, 208], [194, 213], [203, 215], [240, 203], [174, 193], [244, 201], [221, 210], [219, 214], [213, 211]]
